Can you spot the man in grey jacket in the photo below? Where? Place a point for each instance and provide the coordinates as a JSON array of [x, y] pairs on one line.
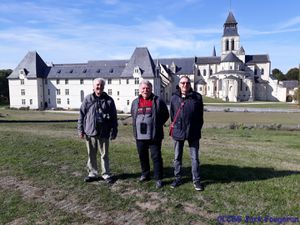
[[97, 123]]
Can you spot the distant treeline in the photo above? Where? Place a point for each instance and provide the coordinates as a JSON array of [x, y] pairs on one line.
[[292, 74]]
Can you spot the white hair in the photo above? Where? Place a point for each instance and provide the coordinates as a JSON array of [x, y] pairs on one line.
[[147, 82], [100, 80]]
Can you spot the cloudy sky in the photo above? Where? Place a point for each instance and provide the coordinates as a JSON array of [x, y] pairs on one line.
[[75, 31]]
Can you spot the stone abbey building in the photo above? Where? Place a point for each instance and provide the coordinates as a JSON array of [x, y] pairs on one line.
[[233, 76]]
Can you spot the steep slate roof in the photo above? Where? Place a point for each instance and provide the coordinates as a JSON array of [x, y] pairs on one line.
[[92, 69], [230, 26], [33, 65], [184, 66], [231, 57], [208, 60], [141, 58], [252, 59]]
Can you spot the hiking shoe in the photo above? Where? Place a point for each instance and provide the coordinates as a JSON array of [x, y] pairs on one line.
[[144, 178], [176, 183], [198, 186], [159, 184], [91, 179]]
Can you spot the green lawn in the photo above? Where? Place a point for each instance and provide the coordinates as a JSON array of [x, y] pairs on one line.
[[246, 172]]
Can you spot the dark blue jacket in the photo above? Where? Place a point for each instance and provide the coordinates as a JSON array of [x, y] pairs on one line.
[[189, 122], [160, 115]]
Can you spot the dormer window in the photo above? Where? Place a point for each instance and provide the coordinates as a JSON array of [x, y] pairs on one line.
[[137, 72], [98, 70], [111, 70], [59, 71], [84, 70], [71, 71], [22, 73]]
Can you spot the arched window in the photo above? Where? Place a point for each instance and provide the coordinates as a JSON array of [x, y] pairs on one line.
[[198, 73], [232, 44], [226, 45], [204, 72], [210, 72], [262, 71], [81, 95]]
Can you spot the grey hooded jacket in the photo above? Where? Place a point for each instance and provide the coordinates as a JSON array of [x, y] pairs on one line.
[[87, 116]]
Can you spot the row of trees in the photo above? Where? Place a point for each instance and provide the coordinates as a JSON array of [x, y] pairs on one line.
[[292, 74], [4, 85]]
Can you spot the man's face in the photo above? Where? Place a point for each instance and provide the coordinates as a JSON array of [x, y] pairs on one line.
[[184, 85], [145, 91], [98, 87]]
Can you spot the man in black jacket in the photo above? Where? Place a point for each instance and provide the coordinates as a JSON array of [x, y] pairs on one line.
[[187, 120], [149, 114]]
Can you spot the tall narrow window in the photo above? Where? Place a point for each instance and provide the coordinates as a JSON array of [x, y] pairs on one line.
[[136, 81], [204, 72], [81, 95], [48, 91], [232, 44], [227, 45], [58, 101], [58, 91], [23, 102], [22, 91], [127, 81], [109, 81], [22, 81], [136, 92], [67, 91], [81, 81], [262, 71], [68, 101], [66, 81], [57, 81], [109, 91]]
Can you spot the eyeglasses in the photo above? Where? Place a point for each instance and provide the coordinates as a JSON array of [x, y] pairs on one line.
[[185, 83]]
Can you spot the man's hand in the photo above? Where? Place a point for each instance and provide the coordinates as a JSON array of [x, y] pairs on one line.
[[114, 133], [81, 135]]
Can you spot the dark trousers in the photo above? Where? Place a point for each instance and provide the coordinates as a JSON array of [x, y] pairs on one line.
[[143, 147]]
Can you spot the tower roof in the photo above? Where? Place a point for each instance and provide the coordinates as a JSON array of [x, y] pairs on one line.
[[33, 65], [140, 58], [230, 26]]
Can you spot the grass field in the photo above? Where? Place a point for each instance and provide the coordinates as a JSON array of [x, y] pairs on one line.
[[250, 174]]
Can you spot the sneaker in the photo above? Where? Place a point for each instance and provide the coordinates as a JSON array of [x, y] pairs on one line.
[[144, 178], [198, 186], [159, 184], [176, 183], [91, 179]]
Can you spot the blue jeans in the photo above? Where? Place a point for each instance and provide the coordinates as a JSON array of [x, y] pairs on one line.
[[194, 155], [143, 147]]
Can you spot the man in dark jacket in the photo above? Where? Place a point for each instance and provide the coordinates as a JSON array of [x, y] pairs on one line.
[[149, 114], [97, 123], [187, 120]]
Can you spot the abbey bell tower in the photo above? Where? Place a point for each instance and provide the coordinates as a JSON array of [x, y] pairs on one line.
[[230, 38]]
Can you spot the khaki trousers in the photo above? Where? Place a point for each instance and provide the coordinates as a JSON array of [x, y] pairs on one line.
[[95, 144]]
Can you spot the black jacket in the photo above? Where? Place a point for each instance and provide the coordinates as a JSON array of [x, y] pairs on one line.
[[189, 122], [160, 115]]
